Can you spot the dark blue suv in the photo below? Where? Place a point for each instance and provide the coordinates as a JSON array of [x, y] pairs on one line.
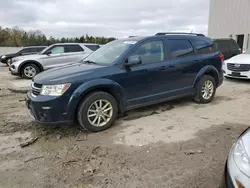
[[127, 74]]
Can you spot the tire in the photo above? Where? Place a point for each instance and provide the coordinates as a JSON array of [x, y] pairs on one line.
[[200, 97], [87, 110], [34, 70]]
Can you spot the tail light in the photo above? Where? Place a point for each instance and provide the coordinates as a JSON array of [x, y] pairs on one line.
[[222, 57]]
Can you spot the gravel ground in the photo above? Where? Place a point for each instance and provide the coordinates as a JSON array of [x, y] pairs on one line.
[[174, 144]]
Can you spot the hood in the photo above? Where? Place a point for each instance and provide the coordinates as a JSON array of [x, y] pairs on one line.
[[66, 74], [9, 55], [29, 57], [241, 58]]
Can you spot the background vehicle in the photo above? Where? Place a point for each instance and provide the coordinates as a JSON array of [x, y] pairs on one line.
[[53, 56], [228, 47], [24, 51], [237, 168], [127, 74], [238, 66]]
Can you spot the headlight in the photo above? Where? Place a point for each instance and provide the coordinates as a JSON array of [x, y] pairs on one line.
[[241, 158], [4, 56], [54, 90], [239, 162]]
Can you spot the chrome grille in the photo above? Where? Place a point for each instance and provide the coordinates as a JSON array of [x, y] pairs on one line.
[[238, 67], [36, 89]]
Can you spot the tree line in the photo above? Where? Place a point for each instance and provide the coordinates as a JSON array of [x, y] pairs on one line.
[[16, 37]]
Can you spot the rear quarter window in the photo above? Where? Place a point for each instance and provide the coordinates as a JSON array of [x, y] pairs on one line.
[[203, 46], [93, 47], [180, 48], [73, 48]]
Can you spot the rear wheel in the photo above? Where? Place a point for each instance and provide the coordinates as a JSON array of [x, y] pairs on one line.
[[97, 112], [205, 89], [30, 70]]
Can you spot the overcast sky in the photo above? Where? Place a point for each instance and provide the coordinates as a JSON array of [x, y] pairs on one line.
[[118, 18]]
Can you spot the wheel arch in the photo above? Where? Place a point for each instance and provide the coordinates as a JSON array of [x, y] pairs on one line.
[[207, 70], [29, 62], [105, 85]]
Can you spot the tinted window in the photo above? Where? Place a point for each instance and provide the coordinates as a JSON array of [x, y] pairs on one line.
[[150, 52], [40, 49], [180, 48], [73, 48], [234, 45], [57, 50], [25, 50], [203, 46], [93, 47], [33, 50]]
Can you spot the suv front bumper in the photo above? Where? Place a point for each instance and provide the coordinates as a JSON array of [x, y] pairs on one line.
[[47, 110]]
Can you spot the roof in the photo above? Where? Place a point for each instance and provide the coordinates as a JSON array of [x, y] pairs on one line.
[[75, 44]]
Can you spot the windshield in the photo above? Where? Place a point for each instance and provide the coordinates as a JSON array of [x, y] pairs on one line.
[[247, 51], [110, 52]]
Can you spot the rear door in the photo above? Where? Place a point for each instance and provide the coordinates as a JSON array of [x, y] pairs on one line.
[[74, 53], [182, 67], [56, 58]]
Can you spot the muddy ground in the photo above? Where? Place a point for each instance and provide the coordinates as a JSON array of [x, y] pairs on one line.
[[174, 144]]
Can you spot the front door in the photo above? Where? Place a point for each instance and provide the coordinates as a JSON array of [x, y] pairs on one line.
[[57, 57], [143, 83]]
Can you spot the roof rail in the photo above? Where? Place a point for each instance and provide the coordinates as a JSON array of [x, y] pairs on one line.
[[180, 33], [132, 36]]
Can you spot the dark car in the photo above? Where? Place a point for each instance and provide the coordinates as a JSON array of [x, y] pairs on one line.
[[228, 47], [126, 74], [24, 51], [237, 168]]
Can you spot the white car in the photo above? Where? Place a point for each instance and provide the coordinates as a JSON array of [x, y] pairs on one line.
[[238, 66]]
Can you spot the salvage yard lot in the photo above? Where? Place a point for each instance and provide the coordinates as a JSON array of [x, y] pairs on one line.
[[174, 144]]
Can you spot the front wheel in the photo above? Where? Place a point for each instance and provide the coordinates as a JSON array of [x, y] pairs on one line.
[[30, 70], [97, 112], [205, 89]]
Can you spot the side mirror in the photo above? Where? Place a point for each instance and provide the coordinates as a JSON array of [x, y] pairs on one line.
[[48, 52], [20, 53], [133, 60]]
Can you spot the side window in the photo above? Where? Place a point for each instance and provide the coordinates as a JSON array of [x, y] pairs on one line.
[[73, 48], [203, 46], [25, 50], [57, 50], [150, 52], [180, 48], [33, 50], [93, 47]]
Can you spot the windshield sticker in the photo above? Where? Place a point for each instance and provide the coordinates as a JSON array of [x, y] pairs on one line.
[[130, 42]]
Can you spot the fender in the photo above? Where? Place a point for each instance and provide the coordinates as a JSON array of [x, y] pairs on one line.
[[205, 70], [102, 83], [29, 61]]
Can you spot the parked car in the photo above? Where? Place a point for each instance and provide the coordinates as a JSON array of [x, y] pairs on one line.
[[238, 66], [126, 74], [237, 168], [24, 51], [227, 46], [53, 56]]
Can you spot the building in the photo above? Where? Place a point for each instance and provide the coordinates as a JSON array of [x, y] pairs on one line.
[[230, 18]]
